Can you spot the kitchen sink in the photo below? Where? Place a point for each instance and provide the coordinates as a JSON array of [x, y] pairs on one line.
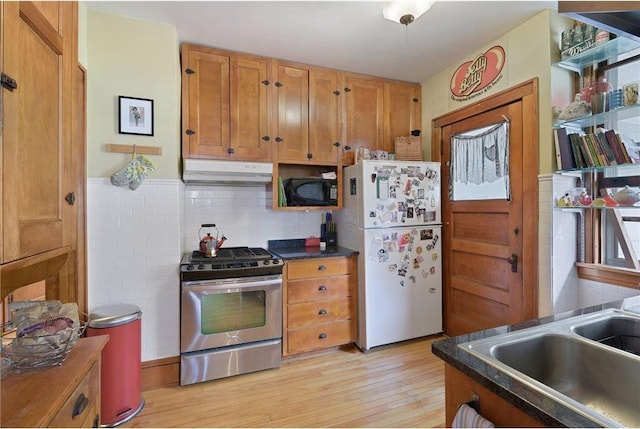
[[588, 363], [621, 332]]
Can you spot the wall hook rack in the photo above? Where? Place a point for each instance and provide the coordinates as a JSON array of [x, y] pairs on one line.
[[131, 148]]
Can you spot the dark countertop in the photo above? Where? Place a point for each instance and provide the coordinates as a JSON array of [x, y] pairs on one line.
[[294, 249], [530, 401]]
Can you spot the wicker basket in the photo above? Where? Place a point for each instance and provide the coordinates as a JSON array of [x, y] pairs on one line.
[[43, 351], [408, 148]]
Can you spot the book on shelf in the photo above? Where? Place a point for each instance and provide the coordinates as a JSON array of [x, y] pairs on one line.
[[588, 152], [564, 152], [608, 152], [577, 152], [632, 159], [617, 147]]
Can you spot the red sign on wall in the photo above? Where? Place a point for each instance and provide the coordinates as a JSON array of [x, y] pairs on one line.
[[474, 78]]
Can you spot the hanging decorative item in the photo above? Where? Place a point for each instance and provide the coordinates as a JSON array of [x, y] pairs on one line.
[[480, 157], [134, 172]]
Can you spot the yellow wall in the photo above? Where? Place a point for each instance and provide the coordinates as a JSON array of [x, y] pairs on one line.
[[530, 50], [138, 59]]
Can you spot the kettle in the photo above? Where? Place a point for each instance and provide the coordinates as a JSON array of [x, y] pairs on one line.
[[208, 243]]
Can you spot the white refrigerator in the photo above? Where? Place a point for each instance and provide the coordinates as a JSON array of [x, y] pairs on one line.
[[391, 215]]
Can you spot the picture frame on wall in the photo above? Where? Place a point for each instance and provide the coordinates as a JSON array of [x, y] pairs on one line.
[[135, 116]]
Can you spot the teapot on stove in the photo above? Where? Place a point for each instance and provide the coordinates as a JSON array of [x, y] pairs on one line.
[[209, 244]]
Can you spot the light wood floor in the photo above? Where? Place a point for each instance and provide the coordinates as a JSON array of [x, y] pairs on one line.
[[396, 386]]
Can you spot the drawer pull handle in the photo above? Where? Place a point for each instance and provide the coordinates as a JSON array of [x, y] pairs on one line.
[[80, 405], [322, 268], [322, 312], [322, 288], [322, 336]]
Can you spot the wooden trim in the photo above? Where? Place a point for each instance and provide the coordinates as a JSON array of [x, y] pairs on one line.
[[39, 24], [596, 6], [611, 275], [163, 372], [33, 269], [132, 148]]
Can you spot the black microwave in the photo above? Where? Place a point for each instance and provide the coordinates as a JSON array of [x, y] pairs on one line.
[[311, 191]]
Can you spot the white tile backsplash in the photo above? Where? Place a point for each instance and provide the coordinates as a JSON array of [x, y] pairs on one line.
[[136, 239]]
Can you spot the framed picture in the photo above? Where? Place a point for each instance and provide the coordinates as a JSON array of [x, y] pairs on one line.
[[135, 116]]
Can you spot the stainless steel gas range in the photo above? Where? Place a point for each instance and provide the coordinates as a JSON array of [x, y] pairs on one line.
[[230, 313]]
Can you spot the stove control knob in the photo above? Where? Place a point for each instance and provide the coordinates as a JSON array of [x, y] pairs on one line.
[[266, 262], [276, 262], [201, 266], [190, 267]]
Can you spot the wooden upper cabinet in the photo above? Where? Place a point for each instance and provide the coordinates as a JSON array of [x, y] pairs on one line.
[[325, 115], [292, 137], [205, 104], [225, 105], [365, 114], [250, 108], [402, 112], [39, 180], [308, 115]]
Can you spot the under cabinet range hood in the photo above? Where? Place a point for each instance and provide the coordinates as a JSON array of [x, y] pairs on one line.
[[216, 172]]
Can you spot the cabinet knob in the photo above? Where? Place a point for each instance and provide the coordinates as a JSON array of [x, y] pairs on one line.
[[265, 82], [347, 90], [336, 92], [415, 100], [70, 198], [322, 336], [79, 406], [347, 147], [322, 268], [266, 138], [189, 132], [337, 144], [322, 288], [322, 312], [309, 155], [279, 139]]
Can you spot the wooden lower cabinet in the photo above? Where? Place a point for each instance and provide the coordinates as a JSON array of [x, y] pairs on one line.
[[320, 305], [460, 389], [61, 396]]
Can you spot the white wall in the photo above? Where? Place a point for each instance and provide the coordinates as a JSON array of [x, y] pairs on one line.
[[139, 59]]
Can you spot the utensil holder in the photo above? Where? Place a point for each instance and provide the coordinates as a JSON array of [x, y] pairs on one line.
[[332, 239]]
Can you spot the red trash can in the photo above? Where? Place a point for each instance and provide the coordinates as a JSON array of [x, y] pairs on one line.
[[121, 379]]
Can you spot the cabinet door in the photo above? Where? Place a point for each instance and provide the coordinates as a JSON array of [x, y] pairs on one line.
[[250, 139], [402, 112], [364, 97], [38, 51], [293, 115], [324, 116], [205, 104]]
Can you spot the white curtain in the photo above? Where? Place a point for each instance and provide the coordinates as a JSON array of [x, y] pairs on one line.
[[481, 156]]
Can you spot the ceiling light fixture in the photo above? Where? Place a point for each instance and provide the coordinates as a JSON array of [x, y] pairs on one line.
[[405, 11]]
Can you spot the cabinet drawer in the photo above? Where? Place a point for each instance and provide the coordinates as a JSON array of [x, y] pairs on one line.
[[321, 336], [313, 313], [319, 267], [83, 402], [321, 289]]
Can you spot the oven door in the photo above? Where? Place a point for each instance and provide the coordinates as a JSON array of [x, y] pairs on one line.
[[219, 313]]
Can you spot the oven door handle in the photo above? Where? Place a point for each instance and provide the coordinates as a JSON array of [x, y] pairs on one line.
[[236, 284]]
